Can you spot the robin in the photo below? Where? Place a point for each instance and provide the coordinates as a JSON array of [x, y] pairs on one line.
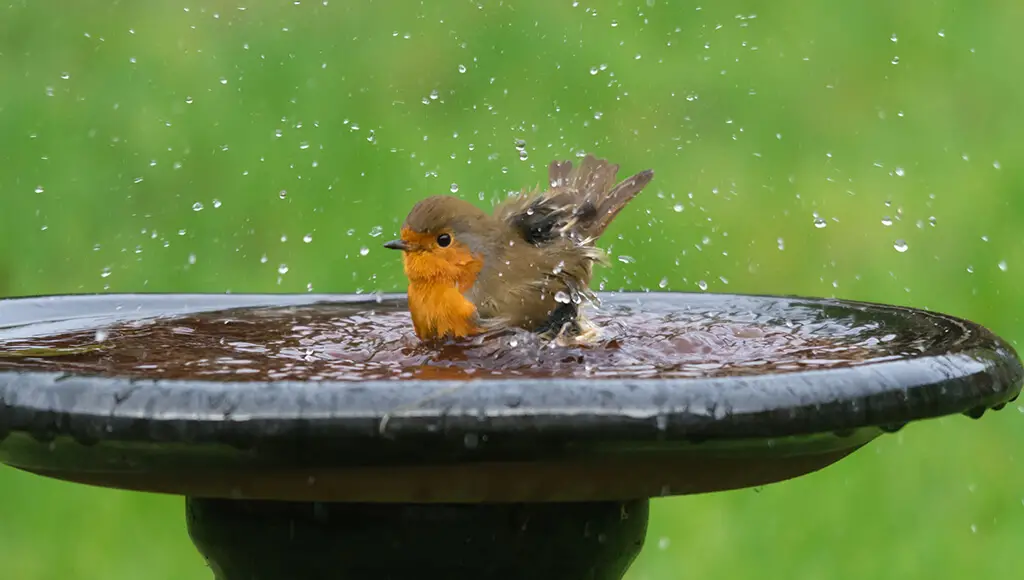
[[528, 265]]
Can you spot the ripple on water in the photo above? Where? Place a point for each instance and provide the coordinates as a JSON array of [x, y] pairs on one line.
[[350, 342]]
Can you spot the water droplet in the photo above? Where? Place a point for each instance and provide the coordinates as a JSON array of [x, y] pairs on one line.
[[197, 206], [364, 251], [454, 188], [627, 259], [523, 155], [895, 60], [820, 222], [462, 68], [893, 38], [223, 81], [702, 285], [663, 283], [191, 258], [434, 95], [782, 243], [900, 245], [598, 115], [39, 189], [1002, 265], [376, 231], [307, 238], [188, 100], [899, 172], [105, 272], [562, 297], [282, 269], [663, 543], [65, 75], [594, 70], [102, 335], [282, 194], [216, 203], [677, 207], [886, 221], [996, 164]]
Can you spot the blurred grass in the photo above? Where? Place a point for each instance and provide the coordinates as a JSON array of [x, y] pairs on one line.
[[756, 118]]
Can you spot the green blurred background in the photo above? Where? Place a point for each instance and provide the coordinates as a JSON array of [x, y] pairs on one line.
[[221, 146]]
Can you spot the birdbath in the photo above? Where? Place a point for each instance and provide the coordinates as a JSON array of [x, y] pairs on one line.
[[313, 438]]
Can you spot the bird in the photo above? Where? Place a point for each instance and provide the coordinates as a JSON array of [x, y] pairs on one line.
[[526, 265]]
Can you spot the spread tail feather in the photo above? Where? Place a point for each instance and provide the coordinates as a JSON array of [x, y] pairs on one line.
[[581, 202]]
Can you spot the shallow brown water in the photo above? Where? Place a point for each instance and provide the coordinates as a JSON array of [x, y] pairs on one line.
[[375, 341]]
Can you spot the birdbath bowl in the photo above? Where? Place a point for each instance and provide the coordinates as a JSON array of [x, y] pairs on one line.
[[314, 438]]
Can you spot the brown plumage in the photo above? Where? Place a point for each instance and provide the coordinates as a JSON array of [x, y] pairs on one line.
[[527, 265]]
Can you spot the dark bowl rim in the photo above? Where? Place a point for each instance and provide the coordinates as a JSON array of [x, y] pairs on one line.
[[985, 373]]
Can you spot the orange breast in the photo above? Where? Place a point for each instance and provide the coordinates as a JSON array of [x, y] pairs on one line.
[[439, 310]]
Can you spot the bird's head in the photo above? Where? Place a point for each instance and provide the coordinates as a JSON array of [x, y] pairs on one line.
[[444, 240]]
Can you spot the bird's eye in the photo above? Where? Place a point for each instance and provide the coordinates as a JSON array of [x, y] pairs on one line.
[[444, 240]]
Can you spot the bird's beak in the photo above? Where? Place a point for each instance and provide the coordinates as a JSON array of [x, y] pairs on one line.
[[397, 245]]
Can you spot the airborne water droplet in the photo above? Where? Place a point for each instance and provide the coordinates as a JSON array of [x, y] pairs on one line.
[[376, 231], [1003, 266], [364, 251], [307, 238], [455, 188], [197, 206], [562, 297], [678, 207], [462, 68], [820, 222], [282, 269], [283, 193], [702, 285], [663, 283], [39, 189], [886, 221], [900, 245]]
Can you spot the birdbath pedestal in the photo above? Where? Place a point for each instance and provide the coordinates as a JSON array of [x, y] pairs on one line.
[[462, 474]]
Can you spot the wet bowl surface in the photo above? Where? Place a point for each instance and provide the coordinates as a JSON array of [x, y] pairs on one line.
[[331, 398]]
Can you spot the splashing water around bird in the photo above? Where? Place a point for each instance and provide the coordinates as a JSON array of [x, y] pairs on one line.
[[528, 265]]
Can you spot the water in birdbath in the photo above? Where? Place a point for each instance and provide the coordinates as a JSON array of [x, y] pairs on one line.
[[652, 336]]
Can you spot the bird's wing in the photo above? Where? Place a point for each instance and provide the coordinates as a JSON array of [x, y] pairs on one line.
[[579, 203]]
